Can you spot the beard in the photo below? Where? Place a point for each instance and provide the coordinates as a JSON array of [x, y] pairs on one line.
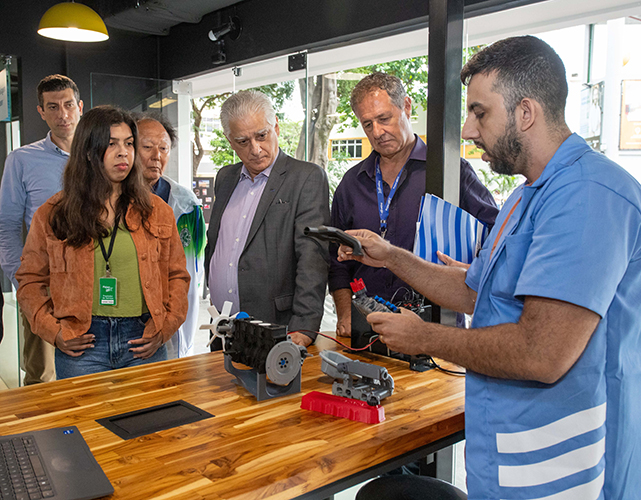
[[507, 151]]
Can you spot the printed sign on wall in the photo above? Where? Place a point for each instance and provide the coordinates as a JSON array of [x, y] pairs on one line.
[[630, 135]]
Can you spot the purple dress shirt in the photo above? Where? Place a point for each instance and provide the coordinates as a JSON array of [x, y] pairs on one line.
[[234, 228], [355, 207]]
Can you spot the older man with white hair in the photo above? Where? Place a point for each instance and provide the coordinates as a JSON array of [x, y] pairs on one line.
[[156, 137], [257, 256]]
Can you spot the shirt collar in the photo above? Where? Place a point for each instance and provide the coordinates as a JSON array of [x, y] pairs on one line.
[[568, 153], [50, 145], [419, 152], [162, 188], [244, 173]]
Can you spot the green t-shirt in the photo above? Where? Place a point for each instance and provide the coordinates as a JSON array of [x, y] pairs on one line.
[[124, 267]]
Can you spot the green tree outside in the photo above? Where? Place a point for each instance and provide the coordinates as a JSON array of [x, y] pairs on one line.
[[413, 72], [279, 94]]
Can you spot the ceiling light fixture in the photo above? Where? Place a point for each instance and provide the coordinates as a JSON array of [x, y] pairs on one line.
[[163, 103], [73, 22]]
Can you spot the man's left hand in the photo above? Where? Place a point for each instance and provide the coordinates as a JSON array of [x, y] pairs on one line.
[[400, 332], [449, 261], [300, 339]]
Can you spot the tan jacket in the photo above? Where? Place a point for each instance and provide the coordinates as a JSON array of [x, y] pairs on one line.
[[56, 281]]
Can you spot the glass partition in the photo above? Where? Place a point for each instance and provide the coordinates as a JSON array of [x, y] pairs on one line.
[[211, 151], [141, 95], [274, 78], [10, 118]]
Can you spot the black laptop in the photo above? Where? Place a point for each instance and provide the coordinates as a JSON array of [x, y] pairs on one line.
[[54, 463]]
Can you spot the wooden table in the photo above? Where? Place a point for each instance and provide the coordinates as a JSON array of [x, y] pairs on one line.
[[249, 450]]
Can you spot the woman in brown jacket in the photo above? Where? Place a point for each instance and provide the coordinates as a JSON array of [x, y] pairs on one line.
[[103, 273]]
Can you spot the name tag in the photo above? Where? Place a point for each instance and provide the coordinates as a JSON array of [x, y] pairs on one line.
[[108, 291]]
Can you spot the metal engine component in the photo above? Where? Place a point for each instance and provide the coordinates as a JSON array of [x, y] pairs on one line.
[[221, 322], [250, 341], [284, 362], [265, 348], [355, 379]]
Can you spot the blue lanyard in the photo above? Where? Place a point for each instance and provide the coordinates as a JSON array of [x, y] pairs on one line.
[[383, 206]]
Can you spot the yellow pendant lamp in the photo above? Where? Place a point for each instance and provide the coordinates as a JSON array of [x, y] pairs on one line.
[[73, 22]]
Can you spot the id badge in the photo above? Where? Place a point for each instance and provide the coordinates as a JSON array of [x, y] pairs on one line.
[[108, 291]]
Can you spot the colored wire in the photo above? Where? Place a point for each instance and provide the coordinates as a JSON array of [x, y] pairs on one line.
[[338, 341], [445, 370], [431, 359]]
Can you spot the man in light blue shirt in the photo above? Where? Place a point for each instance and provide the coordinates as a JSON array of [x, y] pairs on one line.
[[32, 174], [554, 354]]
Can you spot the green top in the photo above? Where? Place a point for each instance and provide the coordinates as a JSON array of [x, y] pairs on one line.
[[124, 267]]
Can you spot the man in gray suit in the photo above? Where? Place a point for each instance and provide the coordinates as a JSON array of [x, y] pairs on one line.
[[257, 256]]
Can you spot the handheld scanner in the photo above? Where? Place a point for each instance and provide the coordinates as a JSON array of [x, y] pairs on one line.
[[329, 233]]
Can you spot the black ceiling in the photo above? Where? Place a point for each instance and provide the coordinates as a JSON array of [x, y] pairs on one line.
[[157, 17]]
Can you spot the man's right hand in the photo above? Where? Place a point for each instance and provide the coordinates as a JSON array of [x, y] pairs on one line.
[[376, 250], [75, 347], [343, 303], [344, 327]]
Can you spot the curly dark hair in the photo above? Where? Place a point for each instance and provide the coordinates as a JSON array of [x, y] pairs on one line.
[[78, 215], [525, 66]]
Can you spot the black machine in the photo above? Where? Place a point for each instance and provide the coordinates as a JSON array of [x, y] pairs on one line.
[[362, 304], [362, 333]]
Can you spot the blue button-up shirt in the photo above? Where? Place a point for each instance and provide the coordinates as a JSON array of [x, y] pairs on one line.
[[232, 236], [575, 237], [32, 174]]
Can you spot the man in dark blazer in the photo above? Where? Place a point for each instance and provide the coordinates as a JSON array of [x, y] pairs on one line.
[[257, 256]]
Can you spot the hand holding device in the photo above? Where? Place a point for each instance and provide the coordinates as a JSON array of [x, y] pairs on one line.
[[329, 233]]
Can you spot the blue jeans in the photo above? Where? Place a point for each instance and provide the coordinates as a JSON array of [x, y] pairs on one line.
[[111, 350]]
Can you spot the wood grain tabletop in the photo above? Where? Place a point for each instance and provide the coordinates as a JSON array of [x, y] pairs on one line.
[[248, 450]]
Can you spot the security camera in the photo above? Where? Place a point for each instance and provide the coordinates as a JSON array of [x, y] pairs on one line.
[[233, 27], [218, 33]]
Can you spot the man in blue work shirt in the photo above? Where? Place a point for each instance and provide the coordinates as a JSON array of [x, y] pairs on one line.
[[398, 164], [554, 353], [32, 174]]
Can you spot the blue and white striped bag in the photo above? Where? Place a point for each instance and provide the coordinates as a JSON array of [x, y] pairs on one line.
[[449, 229]]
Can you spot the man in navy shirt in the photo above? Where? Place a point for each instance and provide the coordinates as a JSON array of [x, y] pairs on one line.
[[383, 107]]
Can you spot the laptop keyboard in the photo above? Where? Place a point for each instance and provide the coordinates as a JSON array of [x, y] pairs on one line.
[[22, 476]]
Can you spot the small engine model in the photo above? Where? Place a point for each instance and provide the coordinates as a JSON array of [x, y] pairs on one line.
[[265, 348]]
